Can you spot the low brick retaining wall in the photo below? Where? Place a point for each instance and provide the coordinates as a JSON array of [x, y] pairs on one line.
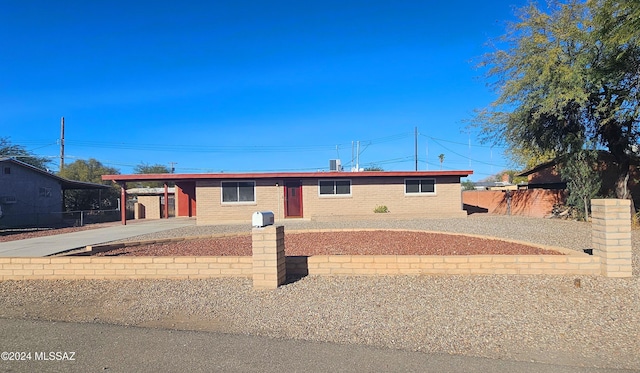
[[132, 267], [611, 239], [187, 267], [356, 265]]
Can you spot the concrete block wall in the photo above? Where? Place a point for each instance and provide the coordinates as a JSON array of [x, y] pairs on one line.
[[211, 210], [185, 267], [269, 262], [366, 195], [121, 267], [359, 265], [138, 211], [151, 206], [611, 236], [536, 203], [268, 266]]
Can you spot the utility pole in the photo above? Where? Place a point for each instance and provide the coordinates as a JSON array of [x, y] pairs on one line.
[[352, 168], [416, 147], [172, 169], [427, 154], [61, 143], [358, 156]]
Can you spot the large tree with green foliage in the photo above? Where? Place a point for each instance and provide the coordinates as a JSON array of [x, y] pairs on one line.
[[565, 77], [144, 168], [89, 171], [19, 152]]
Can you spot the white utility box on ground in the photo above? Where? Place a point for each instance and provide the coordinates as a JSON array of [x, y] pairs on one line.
[[262, 219]]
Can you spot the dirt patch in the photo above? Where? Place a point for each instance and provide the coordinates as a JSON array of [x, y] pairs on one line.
[[341, 243]]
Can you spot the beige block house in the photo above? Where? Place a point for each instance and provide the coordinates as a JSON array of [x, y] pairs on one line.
[[233, 198]]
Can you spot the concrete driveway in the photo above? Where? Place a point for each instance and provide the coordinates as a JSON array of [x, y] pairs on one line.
[[49, 245]]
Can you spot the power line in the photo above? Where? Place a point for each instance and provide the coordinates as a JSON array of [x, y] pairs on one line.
[[464, 144], [229, 148], [463, 156]]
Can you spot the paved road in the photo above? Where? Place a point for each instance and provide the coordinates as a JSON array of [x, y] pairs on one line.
[[111, 348], [43, 246]]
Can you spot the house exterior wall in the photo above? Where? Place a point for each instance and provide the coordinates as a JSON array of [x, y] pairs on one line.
[[38, 199], [545, 176], [211, 210], [366, 194], [185, 199]]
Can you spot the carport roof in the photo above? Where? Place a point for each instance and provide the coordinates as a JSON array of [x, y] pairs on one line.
[[282, 175]]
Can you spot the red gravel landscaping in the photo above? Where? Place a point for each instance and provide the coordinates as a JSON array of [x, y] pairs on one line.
[[341, 243]]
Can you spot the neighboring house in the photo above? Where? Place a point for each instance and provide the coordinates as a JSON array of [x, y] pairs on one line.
[[31, 197], [224, 198], [544, 176], [547, 176]]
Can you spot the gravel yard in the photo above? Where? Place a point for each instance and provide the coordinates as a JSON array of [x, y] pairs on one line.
[[556, 319], [378, 242]]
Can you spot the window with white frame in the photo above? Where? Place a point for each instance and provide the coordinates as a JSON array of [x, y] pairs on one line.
[[334, 187], [420, 186], [238, 191]]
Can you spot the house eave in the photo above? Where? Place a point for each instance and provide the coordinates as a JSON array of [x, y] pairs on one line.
[[283, 175]]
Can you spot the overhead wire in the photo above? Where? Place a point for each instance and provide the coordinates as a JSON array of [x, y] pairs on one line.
[[266, 149]]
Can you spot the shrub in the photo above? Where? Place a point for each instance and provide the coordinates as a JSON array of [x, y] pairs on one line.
[[381, 209]]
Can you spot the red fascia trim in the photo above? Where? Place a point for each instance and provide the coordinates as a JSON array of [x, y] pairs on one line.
[[284, 175]]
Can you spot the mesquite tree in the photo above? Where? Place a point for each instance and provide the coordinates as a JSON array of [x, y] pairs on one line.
[[565, 77]]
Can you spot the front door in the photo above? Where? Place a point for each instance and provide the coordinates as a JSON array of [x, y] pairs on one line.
[[293, 199]]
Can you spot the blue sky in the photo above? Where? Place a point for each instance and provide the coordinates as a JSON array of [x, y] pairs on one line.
[[249, 85]]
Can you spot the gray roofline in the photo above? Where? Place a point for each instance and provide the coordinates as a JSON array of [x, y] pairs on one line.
[[64, 183]]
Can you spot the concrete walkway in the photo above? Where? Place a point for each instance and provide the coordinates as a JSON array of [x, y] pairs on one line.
[[49, 245]]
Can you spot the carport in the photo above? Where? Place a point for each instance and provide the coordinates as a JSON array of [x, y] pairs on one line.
[[185, 191]]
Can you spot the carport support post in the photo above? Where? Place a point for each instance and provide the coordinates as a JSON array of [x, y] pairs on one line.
[[123, 203], [269, 269], [611, 236], [166, 200]]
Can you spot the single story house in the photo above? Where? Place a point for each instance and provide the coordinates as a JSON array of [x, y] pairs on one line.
[[233, 197], [32, 197]]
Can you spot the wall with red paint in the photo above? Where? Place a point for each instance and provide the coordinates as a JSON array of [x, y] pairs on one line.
[[532, 202]]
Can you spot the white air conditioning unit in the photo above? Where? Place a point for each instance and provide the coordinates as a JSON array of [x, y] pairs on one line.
[[8, 200], [334, 165]]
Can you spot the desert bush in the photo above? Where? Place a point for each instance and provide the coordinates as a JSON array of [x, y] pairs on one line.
[[381, 209]]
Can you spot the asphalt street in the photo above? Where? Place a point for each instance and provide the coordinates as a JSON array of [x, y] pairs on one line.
[[49, 347]]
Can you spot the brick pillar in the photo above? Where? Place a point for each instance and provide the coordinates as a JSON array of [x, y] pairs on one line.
[[611, 236], [269, 270]]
